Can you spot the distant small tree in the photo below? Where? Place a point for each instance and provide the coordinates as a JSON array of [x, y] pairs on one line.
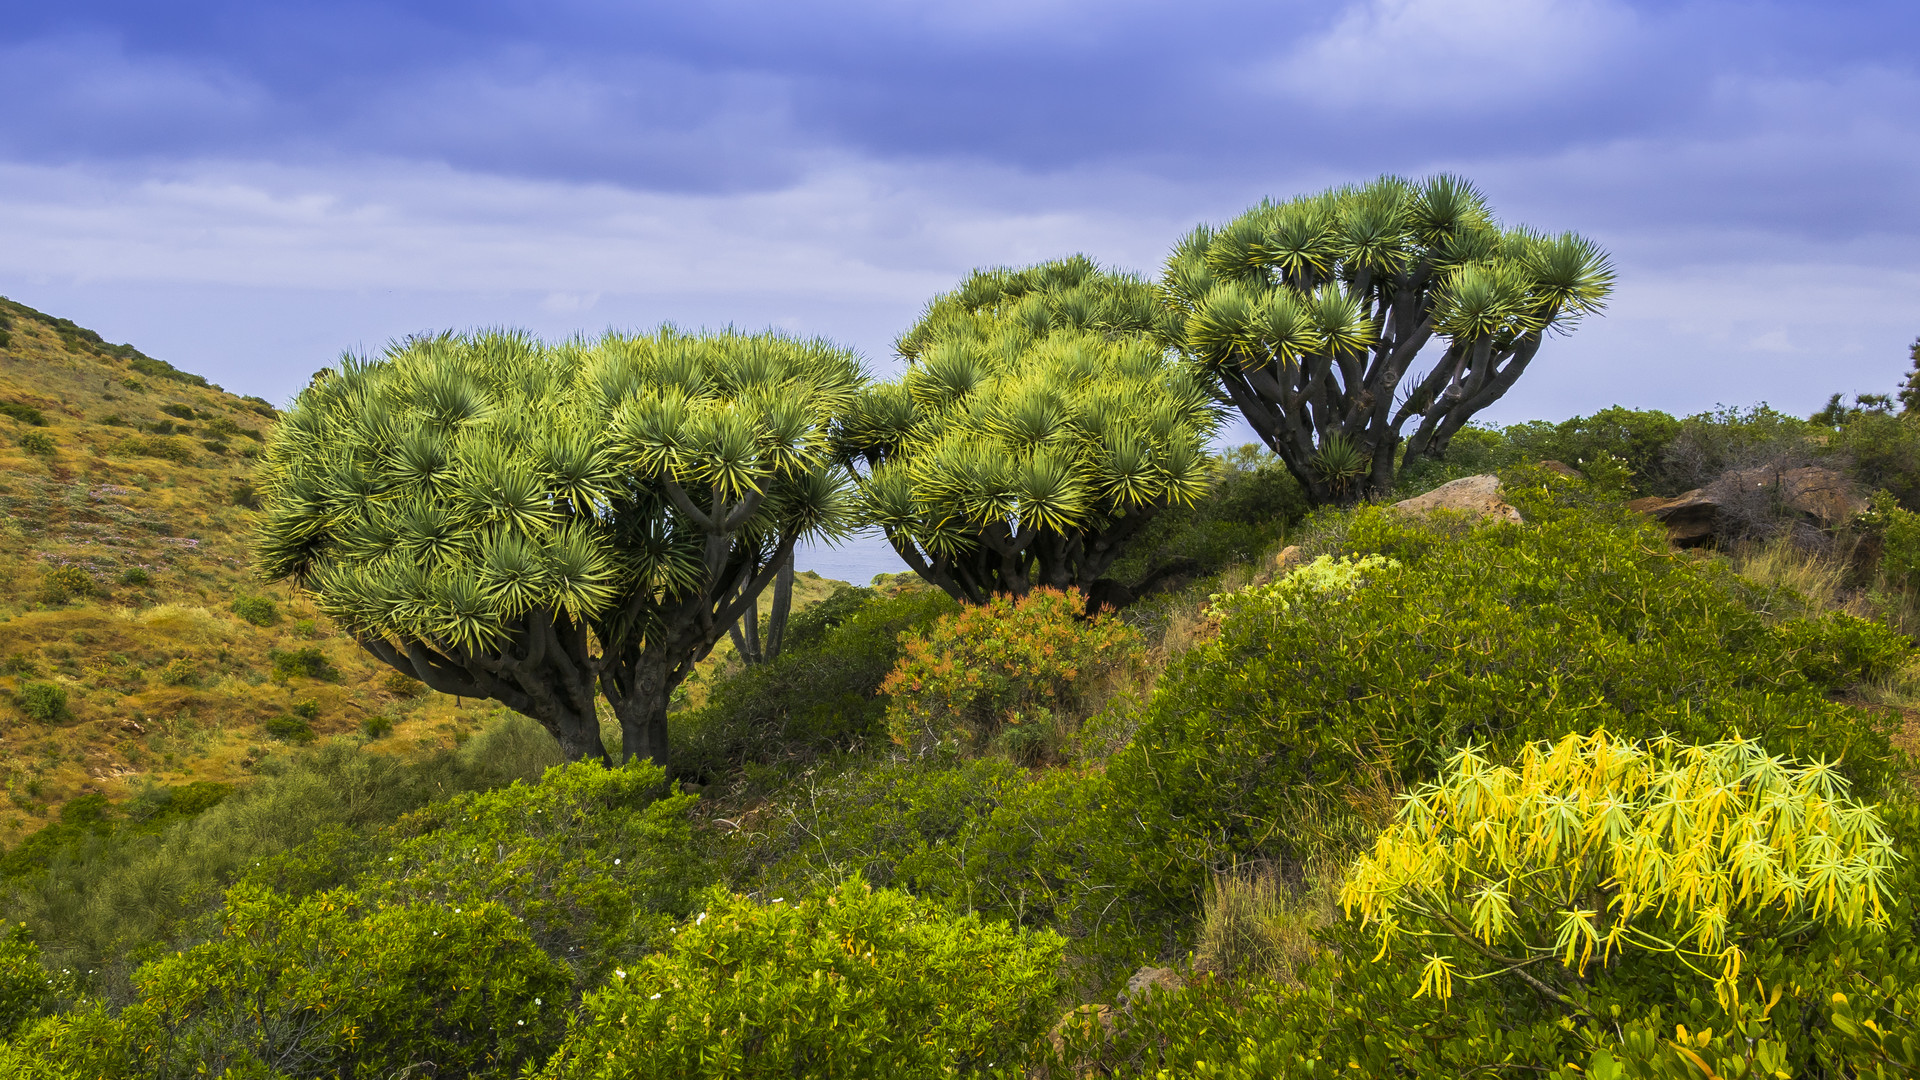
[[1910, 390], [1042, 420], [1312, 312], [504, 519]]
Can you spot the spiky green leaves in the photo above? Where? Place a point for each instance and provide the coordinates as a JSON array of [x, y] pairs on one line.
[[1286, 280], [459, 484], [1012, 421]]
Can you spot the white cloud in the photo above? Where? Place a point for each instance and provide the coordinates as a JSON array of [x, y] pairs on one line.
[[1451, 55]]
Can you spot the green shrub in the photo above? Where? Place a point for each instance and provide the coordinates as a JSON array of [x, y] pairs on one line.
[[135, 577], [38, 443], [330, 986], [597, 862], [1248, 507], [65, 583], [821, 695], [1900, 541], [180, 671], [855, 982], [307, 662], [1003, 663], [26, 414], [1265, 741], [1044, 849], [26, 988], [258, 610], [292, 729], [44, 701], [154, 446], [377, 726], [306, 710]]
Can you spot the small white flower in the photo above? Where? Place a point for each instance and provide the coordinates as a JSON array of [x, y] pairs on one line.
[[618, 974], [655, 997], [519, 1023], [536, 1001], [779, 899], [701, 919], [616, 862]]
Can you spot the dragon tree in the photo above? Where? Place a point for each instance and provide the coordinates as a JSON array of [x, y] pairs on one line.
[[1041, 421], [1314, 315], [541, 524]]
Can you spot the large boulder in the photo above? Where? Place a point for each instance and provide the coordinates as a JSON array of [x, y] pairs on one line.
[[1750, 502], [1476, 495]]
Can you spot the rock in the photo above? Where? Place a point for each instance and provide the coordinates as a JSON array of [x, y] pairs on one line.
[[1476, 495], [1081, 1021], [1740, 502], [1142, 985], [1561, 468], [1288, 556], [133, 726], [1819, 493], [1691, 519]]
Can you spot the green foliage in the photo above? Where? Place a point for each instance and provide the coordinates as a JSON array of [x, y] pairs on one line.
[[63, 583], [377, 726], [160, 369], [258, 610], [1900, 540], [155, 446], [855, 982], [102, 896], [1882, 452], [26, 989], [1001, 665], [180, 671], [291, 729], [43, 701], [135, 577], [1040, 849], [306, 662], [822, 694], [1039, 424], [1250, 503], [26, 414], [1263, 741], [596, 862], [330, 986], [38, 443]]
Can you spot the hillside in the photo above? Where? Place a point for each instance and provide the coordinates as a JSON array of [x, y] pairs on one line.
[[125, 485]]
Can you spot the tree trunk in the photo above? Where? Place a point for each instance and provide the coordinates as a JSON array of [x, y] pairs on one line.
[[641, 706]]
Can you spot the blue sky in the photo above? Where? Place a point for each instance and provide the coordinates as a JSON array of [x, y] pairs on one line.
[[246, 189]]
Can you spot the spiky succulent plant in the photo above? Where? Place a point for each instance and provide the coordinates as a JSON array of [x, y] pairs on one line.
[[1041, 421], [503, 518], [1312, 312]]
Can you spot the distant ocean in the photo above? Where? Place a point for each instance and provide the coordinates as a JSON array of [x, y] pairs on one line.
[[856, 559]]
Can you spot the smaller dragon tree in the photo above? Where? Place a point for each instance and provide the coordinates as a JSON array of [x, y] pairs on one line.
[[1310, 314], [543, 524], [1041, 422]]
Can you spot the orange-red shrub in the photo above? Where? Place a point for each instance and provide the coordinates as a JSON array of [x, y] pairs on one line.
[[1002, 663]]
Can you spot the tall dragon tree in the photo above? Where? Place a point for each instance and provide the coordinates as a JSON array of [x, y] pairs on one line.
[[538, 524], [1041, 421], [1315, 316]]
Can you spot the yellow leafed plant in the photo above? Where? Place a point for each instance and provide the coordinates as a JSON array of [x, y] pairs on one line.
[[1591, 847]]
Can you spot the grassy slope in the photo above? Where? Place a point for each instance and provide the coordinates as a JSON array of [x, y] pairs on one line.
[[165, 684]]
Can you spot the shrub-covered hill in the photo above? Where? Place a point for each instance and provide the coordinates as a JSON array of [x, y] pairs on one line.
[[135, 645]]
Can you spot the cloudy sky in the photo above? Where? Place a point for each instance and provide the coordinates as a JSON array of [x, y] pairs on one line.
[[248, 188]]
